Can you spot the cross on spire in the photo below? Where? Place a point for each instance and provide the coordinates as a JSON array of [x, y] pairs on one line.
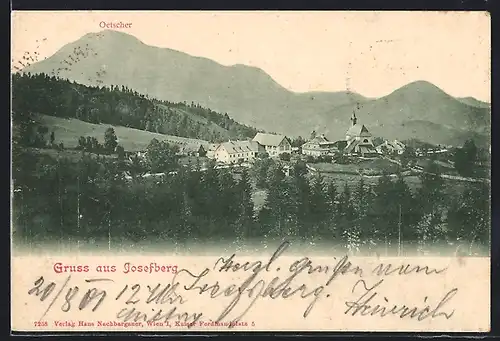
[[353, 118]]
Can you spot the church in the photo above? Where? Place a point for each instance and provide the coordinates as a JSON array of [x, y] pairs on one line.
[[359, 140]]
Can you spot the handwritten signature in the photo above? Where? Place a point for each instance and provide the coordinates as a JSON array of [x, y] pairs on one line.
[[362, 306], [166, 303]]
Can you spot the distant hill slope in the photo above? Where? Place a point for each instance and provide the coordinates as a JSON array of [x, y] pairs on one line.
[[246, 93], [68, 130], [474, 102], [429, 132], [252, 97], [41, 94], [418, 110]]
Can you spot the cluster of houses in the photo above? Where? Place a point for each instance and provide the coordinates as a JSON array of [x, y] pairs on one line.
[[244, 151], [358, 142]]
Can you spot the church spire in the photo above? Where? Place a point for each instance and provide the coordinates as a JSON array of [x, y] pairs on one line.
[[353, 118]]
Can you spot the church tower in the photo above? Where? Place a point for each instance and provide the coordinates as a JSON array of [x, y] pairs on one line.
[[353, 118]]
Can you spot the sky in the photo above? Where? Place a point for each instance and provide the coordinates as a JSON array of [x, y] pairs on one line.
[[371, 53]]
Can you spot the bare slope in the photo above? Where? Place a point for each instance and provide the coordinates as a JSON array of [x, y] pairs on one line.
[[68, 131]]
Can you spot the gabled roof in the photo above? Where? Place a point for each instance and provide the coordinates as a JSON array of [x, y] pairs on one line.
[[393, 145], [365, 148], [398, 144], [191, 147], [319, 140], [269, 139], [211, 146], [233, 147], [358, 130]]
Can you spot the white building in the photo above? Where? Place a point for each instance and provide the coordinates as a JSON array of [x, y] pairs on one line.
[[237, 151], [274, 144]]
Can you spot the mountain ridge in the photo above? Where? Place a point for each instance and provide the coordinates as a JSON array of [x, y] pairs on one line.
[[250, 95]]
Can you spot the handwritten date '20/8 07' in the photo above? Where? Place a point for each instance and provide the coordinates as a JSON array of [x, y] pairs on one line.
[[252, 288]]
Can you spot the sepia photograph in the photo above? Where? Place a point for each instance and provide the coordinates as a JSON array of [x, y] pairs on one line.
[[365, 134]]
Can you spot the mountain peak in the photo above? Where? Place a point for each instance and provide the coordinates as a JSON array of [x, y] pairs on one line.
[[422, 85], [420, 88], [112, 34], [250, 95]]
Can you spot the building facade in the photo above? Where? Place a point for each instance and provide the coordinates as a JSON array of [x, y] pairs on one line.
[[237, 151], [273, 144], [192, 149], [319, 146]]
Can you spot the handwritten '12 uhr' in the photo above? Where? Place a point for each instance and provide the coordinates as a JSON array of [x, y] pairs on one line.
[[93, 294]]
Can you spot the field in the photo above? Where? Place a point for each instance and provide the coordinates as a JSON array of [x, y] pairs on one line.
[[372, 167], [452, 187], [68, 131]]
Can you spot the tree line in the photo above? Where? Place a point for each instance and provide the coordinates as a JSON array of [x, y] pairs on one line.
[[92, 199], [120, 106]]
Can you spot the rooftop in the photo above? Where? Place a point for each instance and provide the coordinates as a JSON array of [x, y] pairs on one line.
[[240, 146], [358, 130], [268, 139]]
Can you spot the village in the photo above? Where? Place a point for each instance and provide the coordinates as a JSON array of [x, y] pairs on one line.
[[360, 153]]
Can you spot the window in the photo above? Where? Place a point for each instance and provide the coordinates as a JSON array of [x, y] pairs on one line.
[[365, 141]]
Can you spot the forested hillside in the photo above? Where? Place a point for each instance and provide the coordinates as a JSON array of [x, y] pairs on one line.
[[120, 106]]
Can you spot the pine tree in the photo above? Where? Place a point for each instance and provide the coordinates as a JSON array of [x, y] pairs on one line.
[[246, 207], [430, 193], [330, 230], [465, 158], [276, 202], [425, 232], [110, 140], [408, 212], [259, 172], [228, 204], [350, 234], [385, 213], [363, 202], [318, 208], [300, 200], [469, 217]]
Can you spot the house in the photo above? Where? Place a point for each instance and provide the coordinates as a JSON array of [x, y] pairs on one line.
[[359, 140], [192, 149], [319, 146], [391, 147], [238, 151], [210, 149], [273, 144]]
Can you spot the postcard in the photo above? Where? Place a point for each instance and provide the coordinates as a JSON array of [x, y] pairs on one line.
[[250, 171]]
